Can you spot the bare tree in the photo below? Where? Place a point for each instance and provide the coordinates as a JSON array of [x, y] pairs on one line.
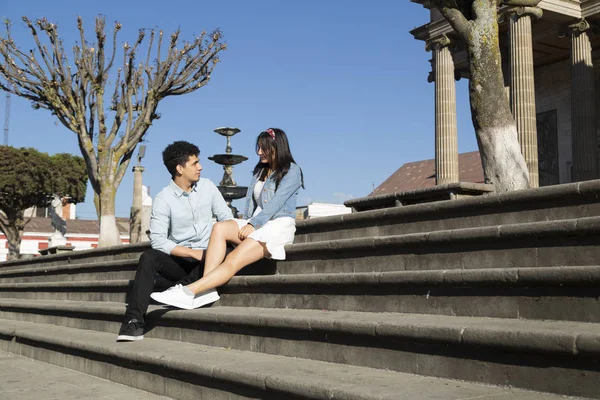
[[476, 24], [108, 127]]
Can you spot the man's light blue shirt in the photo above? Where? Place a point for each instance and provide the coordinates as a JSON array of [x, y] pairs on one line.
[[186, 219]]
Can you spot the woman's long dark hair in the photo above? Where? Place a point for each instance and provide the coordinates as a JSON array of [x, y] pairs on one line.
[[283, 156]]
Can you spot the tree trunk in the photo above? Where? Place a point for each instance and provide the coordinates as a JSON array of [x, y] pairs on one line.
[[109, 234], [14, 234], [495, 128]]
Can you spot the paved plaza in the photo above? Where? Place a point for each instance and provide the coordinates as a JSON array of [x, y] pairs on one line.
[[26, 379]]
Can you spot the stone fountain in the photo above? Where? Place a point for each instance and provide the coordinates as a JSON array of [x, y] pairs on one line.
[[228, 188]]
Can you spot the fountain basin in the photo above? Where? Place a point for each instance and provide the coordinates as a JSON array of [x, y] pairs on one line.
[[227, 131], [233, 192], [227, 159]]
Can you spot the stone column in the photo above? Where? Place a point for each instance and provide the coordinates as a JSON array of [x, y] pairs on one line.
[[446, 138], [583, 104], [522, 84], [135, 219]]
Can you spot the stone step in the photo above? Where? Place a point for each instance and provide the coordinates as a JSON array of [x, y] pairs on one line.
[[96, 270], [559, 202], [99, 271], [112, 253], [567, 201], [552, 243], [537, 244], [186, 370], [441, 346], [556, 293], [441, 192]]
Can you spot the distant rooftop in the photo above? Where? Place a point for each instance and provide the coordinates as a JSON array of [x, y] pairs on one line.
[[421, 174], [75, 226]]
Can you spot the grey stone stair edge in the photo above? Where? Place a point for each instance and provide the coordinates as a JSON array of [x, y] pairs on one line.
[[67, 268], [70, 285], [543, 276], [518, 232], [80, 256], [263, 373], [546, 337], [420, 193], [525, 231], [549, 196], [562, 275], [574, 190]]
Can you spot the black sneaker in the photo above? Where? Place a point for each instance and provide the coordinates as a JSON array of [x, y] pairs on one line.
[[130, 331]]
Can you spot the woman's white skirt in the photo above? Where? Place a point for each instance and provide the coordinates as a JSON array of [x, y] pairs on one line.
[[275, 234]]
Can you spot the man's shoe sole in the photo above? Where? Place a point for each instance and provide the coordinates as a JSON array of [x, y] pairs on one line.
[[206, 299], [197, 302], [157, 297], [127, 338]]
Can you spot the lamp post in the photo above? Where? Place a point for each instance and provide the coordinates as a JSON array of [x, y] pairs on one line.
[[135, 218]]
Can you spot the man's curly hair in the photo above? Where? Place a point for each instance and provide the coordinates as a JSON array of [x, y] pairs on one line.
[[178, 153]]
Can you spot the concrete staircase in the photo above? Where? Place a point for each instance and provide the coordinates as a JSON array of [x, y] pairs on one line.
[[492, 297]]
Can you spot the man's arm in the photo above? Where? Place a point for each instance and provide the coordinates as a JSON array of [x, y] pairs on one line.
[[186, 252], [159, 232], [219, 206], [159, 226]]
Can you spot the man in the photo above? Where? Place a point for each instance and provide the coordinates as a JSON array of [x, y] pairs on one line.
[[180, 228]]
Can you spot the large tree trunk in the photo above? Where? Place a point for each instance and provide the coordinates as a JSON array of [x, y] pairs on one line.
[[496, 130], [13, 229], [109, 234], [476, 23]]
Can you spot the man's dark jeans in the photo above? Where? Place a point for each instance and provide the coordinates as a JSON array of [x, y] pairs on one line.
[[152, 262]]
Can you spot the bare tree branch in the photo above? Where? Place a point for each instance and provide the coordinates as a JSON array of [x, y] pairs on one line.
[[456, 14], [75, 92]]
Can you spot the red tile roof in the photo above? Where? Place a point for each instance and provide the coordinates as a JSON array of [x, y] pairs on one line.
[[420, 174]]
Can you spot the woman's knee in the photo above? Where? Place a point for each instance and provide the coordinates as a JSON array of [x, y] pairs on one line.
[[224, 230], [246, 253], [219, 229]]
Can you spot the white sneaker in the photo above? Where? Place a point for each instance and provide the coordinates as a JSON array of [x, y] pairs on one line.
[[202, 299], [175, 296]]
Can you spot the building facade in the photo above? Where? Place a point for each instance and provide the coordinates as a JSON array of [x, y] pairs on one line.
[[551, 63], [81, 234]]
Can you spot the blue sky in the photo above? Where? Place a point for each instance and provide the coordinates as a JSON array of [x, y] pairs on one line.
[[344, 79]]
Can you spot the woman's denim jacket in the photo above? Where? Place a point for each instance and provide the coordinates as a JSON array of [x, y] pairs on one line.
[[274, 204]]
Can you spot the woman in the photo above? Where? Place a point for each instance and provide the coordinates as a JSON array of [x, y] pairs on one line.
[[271, 205]]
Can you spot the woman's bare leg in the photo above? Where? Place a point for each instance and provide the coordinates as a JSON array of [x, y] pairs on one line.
[[245, 253], [223, 232]]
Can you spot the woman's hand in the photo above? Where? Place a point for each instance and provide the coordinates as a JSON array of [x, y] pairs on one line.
[[245, 231]]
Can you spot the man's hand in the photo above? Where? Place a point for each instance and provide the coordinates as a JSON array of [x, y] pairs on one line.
[[245, 231], [197, 254], [186, 252]]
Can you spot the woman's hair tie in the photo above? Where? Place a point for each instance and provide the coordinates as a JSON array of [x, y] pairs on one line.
[[271, 133]]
